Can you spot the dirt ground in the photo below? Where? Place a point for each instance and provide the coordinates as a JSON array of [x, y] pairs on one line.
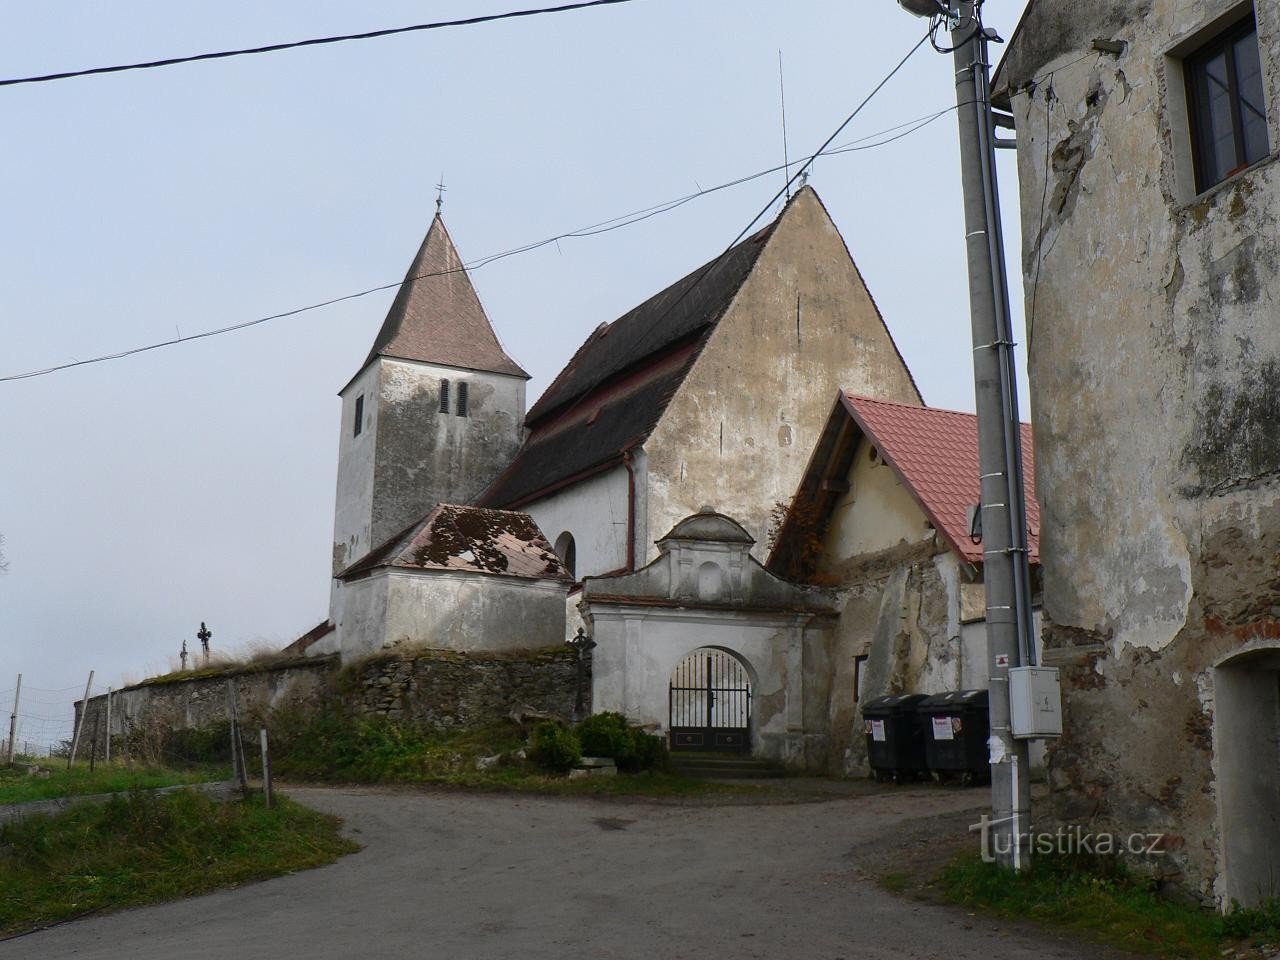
[[490, 877]]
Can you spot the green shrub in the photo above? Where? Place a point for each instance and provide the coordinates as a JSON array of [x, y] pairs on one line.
[[554, 747], [610, 735], [650, 752], [607, 735]]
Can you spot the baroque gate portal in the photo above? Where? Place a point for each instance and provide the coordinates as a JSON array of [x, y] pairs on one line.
[[710, 703]]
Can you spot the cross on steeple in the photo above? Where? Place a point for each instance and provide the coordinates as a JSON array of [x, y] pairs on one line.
[[440, 190]]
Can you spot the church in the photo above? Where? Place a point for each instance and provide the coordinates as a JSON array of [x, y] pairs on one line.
[[649, 498], [464, 520]]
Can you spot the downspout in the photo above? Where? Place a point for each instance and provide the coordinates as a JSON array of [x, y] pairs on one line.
[[631, 510]]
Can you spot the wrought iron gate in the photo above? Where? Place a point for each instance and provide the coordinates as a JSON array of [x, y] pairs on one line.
[[710, 703]]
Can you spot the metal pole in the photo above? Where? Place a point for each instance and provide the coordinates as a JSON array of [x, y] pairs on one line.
[[84, 710], [266, 766], [1010, 639], [13, 722], [108, 754]]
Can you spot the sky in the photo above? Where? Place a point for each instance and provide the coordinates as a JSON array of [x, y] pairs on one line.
[[194, 483]]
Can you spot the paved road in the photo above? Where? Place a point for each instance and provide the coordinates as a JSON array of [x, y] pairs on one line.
[[467, 877]]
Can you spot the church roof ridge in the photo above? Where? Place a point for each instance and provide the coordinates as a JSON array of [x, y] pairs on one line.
[[437, 317]]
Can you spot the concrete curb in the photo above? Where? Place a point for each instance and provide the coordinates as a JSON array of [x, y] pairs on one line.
[[222, 790]]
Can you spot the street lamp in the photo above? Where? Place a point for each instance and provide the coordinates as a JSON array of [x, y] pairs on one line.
[[581, 644], [1006, 573]]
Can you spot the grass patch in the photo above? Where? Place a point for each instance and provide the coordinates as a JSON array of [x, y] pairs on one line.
[[332, 748], [142, 848], [18, 786], [1097, 898]]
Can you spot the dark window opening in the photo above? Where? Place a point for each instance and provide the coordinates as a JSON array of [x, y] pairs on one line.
[[1227, 100], [461, 408], [444, 396], [859, 676], [567, 551], [358, 424]]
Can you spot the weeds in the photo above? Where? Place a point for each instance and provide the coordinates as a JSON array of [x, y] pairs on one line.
[[1099, 898], [19, 786], [142, 848]]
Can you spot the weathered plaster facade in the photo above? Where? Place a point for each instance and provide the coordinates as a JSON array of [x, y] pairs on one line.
[[742, 425], [705, 590], [410, 455], [1154, 362]]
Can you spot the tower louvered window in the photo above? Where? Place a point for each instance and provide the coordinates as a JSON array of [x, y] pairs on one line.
[[444, 396], [461, 408]]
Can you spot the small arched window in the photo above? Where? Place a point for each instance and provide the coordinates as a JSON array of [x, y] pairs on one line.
[[444, 396], [461, 409], [567, 551]]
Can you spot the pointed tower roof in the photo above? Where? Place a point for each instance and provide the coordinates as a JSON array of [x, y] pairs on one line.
[[436, 316]]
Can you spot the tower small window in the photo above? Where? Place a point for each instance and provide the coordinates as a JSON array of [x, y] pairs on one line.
[[358, 423], [444, 396], [1228, 113], [461, 407]]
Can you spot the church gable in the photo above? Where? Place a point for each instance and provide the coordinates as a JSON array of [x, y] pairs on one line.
[[740, 428], [611, 394]]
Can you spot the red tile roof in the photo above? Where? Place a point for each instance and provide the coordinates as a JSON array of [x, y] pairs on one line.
[[469, 539], [935, 455]]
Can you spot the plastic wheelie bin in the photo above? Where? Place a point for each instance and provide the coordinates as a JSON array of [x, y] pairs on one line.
[[895, 738]]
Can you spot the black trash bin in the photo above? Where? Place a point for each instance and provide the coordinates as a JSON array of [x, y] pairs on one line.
[[895, 737], [956, 726]]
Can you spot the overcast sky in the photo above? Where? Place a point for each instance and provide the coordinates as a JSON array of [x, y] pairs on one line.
[[141, 496]]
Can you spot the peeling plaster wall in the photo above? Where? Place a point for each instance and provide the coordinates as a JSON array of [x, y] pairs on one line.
[[740, 429], [1155, 382], [425, 456], [449, 611]]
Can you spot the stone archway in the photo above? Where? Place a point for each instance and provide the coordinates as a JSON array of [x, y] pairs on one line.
[[709, 702], [1246, 746]]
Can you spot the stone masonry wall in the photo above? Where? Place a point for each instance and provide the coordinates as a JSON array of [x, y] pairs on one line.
[[437, 687], [445, 688]]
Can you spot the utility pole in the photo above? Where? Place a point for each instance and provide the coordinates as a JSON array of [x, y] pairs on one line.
[[1010, 624]]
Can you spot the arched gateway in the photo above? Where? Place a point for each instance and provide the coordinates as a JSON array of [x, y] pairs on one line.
[[757, 642], [709, 703]]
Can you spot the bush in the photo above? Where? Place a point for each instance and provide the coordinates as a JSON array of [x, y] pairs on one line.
[[651, 751], [554, 747], [610, 735], [607, 735]]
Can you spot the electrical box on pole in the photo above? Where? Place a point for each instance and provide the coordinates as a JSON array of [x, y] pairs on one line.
[[1035, 702]]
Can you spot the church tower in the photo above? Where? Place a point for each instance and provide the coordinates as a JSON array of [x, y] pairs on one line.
[[435, 412]]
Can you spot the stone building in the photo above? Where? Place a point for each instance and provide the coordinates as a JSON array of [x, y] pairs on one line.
[[711, 391], [882, 516], [1149, 193]]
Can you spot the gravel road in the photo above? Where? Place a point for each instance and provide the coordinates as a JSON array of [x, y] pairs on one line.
[[462, 876]]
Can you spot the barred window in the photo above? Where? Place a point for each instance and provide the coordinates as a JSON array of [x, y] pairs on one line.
[[461, 407], [444, 396]]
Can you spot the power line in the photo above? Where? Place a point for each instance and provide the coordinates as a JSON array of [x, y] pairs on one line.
[[603, 226], [786, 188], [313, 42]]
